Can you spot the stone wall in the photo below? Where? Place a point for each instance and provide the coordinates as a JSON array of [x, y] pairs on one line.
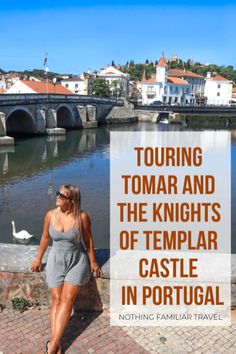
[[121, 115], [148, 116], [17, 280], [208, 120]]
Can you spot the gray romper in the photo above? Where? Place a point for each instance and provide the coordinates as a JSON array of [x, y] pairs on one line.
[[67, 259]]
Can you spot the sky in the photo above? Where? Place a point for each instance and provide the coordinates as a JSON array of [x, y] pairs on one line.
[[78, 35]]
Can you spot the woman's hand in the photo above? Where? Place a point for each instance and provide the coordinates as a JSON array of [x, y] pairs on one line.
[[36, 265], [96, 268]]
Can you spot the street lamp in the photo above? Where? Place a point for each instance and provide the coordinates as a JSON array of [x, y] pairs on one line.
[[117, 90], [112, 91], [54, 81], [46, 75]]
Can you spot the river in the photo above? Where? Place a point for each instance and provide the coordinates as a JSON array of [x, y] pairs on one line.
[[33, 170]]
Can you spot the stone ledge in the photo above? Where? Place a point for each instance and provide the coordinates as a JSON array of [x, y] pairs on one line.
[[92, 124], [110, 120], [6, 140], [56, 131], [17, 280], [18, 258], [93, 296]]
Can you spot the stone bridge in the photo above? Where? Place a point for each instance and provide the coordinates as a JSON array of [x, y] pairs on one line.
[[36, 114], [192, 116]]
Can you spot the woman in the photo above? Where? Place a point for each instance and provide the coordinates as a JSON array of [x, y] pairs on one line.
[[68, 262]]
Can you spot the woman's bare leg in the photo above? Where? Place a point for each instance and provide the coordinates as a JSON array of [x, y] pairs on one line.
[[55, 302], [68, 296]]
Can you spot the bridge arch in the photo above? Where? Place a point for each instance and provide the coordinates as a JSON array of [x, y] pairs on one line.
[[65, 117], [20, 123]]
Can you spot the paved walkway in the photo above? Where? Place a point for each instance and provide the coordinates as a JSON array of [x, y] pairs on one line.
[[90, 333]]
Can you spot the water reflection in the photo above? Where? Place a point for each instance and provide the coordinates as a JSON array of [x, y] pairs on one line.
[[32, 171]]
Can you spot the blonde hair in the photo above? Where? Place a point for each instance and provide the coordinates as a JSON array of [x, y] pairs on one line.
[[75, 208]]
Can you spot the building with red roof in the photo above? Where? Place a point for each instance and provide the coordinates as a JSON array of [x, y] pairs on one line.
[[41, 87], [165, 87], [196, 81], [218, 90]]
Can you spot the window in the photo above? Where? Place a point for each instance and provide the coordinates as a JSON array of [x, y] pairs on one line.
[[171, 89], [67, 85], [150, 88], [76, 86], [187, 91], [176, 99], [218, 86], [176, 90], [218, 94]]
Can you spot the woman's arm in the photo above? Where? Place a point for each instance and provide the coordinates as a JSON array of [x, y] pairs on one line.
[[89, 244], [36, 265]]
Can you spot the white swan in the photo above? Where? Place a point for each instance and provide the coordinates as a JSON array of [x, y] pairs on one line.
[[22, 235]]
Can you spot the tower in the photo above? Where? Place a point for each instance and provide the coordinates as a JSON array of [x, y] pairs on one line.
[[162, 71]]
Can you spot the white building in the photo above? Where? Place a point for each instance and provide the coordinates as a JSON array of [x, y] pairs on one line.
[[80, 85], [218, 90], [196, 81], [27, 86], [117, 79], [74, 84], [165, 88]]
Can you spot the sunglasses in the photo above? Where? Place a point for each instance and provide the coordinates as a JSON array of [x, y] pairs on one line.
[[62, 196]]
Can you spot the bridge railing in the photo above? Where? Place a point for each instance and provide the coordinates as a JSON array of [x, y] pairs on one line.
[[22, 97]]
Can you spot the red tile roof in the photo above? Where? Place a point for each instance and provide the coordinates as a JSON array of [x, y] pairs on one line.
[[234, 90], [42, 87], [2, 90], [152, 79], [183, 73], [171, 80], [218, 78], [177, 81], [162, 61]]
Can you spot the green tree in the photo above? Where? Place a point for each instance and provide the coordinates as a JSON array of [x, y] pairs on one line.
[[100, 87]]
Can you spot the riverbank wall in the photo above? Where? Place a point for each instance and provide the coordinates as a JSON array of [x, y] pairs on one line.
[[204, 120], [17, 279]]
